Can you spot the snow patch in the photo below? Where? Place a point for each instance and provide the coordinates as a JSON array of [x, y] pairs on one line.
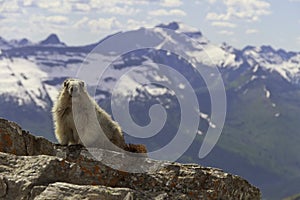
[[288, 69], [255, 68], [156, 91], [52, 92], [203, 115], [206, 117], [185, 28], [167, 39], [253, 77], [267, 92], [199, 132], [22, 79], [212, 125], [245, 91], [181, 86]]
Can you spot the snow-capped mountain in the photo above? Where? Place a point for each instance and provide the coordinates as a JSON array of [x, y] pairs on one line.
[[262, 86], [35, 71], [285, 63], [34, 68]]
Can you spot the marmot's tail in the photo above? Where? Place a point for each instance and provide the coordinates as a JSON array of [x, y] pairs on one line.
[[136, 148]]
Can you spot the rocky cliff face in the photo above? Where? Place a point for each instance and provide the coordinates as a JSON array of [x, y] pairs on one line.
[[34, 168]]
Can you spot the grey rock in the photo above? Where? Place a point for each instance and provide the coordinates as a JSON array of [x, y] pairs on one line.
[[61, 190], [34, 168], [3, 187]]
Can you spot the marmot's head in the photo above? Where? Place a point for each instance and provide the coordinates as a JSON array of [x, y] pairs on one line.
[[73, 87]]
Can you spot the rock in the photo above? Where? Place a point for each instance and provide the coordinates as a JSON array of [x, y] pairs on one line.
[[294, 197], [3, 187], [34, 168], [61, 190]]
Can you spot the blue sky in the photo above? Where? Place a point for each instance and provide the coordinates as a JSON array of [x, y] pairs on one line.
[[236, 22]]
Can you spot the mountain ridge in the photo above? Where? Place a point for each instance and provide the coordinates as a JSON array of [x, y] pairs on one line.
[[174, 25]]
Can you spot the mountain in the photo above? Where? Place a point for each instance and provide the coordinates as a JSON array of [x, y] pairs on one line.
[[20, 43], [261, 132], [4, 44], [52, 40]]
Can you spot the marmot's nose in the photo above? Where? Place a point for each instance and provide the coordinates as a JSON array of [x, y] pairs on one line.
[[74, 89]]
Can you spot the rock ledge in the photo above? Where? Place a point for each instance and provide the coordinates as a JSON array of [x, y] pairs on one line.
[[34, 168]]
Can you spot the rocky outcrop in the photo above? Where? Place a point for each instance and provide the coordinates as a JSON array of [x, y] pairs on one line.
[[34, 168]]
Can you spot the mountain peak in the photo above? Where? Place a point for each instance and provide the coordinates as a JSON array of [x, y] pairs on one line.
[[248, 48], [225, 46], [24, 41], [52, 39], [178, 26], [267, 48], [172, 25], [21, 42]]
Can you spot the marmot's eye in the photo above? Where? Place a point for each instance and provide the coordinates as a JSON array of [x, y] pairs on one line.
[[66, 83]]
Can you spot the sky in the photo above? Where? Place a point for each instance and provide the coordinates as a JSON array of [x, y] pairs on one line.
[[78, 22]]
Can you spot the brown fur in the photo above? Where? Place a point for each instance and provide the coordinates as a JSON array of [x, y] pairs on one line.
[[136, 148]]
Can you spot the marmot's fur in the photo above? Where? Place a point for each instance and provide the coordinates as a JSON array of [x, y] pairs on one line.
[[136, 148], [75, 106]]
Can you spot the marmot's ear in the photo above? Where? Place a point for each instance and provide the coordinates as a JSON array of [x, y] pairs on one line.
[[81, 83]]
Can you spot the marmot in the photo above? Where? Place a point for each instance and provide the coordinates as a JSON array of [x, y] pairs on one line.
[[75, 106]]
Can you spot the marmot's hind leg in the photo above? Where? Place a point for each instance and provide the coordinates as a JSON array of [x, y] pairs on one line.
[[64, 136], [76, 137], [61, 136], [118, 139]]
